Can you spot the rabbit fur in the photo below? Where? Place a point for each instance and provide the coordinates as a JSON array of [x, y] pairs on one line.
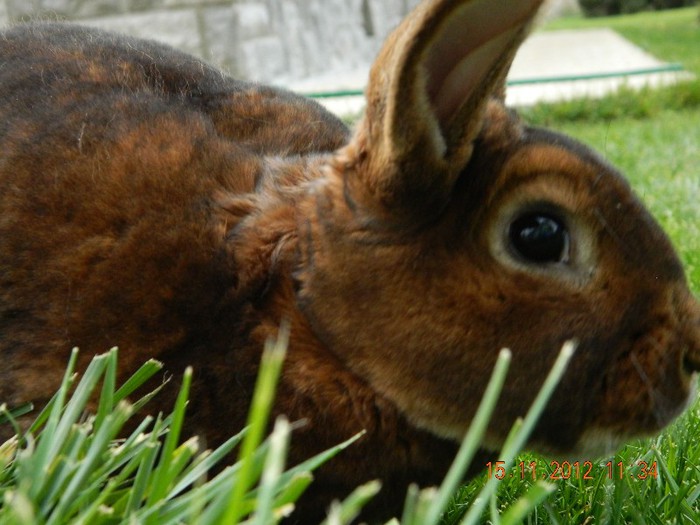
[[150, 202]]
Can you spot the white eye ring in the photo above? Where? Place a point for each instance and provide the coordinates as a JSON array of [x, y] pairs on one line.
[[570, 257]]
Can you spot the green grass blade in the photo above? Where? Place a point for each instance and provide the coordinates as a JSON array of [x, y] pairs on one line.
[[270, 368], [217, 491], [668, 476], [76, 405], [516, 441], [343, 513], [292, 490], [39, 461], [472, 440], [163, 475], [493, 507], [9, 415], [111, 425], [8, 452], [518, 511], [410, 506], [106, 402], [143, 374], [91, 514], [147, 461], [316, 461], [17, 509], [122, 453], [62, 469], [274, 465], [181, 457], [201, 467]]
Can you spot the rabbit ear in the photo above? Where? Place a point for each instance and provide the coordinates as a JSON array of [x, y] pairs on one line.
[[426, 96]]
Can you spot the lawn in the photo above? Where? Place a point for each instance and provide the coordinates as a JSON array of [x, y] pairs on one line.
[[673, 36]]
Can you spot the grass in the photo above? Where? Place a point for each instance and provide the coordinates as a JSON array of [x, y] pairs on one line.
[[670, 35], [69, 468], [653, 136], [673, 36], [666, 492]]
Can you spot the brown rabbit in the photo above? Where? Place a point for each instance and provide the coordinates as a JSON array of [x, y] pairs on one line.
[[150, 202]]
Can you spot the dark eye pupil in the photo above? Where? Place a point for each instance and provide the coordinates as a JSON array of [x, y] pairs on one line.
[[539, 238]]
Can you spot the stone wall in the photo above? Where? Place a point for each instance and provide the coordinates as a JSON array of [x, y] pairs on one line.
[[265, 40]]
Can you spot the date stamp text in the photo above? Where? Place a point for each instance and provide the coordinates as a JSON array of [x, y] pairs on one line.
[[577, 470]]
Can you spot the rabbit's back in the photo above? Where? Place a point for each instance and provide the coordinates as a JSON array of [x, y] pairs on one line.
[[72, 72], [114, 151]]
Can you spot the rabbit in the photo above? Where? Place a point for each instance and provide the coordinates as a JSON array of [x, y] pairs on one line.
[[150, 202]]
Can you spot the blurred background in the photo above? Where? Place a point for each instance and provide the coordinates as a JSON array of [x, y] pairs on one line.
[[325, 47], [264, 40]]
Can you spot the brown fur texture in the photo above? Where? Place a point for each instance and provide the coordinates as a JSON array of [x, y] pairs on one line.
[[150, 202]]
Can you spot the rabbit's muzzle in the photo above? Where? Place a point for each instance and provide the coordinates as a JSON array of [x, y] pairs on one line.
[[653, 381], [691, 353]]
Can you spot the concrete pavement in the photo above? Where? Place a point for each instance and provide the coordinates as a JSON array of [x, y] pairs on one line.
[[550, 66]]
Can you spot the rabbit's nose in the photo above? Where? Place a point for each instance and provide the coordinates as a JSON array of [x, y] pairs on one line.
[[691, 362], [691, 358]]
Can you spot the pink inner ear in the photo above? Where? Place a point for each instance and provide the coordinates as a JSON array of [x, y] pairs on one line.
[[464, 79], [467, 47]]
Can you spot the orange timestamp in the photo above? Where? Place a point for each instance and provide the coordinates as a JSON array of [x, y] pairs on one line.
[[563, 470]]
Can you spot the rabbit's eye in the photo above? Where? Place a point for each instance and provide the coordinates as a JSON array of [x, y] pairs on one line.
[[540, 238]]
